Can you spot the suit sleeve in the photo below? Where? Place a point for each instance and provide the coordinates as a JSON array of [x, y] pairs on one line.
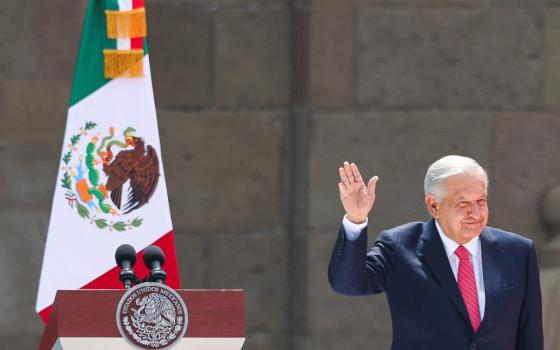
[[530, 329], [355, 271]]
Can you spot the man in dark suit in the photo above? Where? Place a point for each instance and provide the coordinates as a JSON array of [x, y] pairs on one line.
[[452, 283]]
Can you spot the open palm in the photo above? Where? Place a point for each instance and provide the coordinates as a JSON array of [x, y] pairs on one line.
[[357, 198]]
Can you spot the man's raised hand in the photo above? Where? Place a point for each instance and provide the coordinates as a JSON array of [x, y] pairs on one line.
[[357, 198]]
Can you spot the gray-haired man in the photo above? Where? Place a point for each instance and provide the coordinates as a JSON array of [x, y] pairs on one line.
[[451, 282]]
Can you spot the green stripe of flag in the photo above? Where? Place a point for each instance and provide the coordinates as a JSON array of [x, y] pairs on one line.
[[112, 5], [88, 74]]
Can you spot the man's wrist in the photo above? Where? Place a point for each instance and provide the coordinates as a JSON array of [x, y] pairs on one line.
[[351, 229], [357, 221]]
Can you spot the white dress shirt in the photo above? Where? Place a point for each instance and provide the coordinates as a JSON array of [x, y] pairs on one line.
[[353, 230]]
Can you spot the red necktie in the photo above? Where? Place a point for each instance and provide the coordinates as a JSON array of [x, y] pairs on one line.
[[467, 286]]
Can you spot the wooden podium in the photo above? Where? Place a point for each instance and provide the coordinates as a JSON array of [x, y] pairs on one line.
[[85, 319]]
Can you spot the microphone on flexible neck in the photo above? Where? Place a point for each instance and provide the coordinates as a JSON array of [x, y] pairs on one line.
[[125, 256], [154, 260]]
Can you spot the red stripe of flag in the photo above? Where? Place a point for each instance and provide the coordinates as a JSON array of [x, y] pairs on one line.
[[137, 43]]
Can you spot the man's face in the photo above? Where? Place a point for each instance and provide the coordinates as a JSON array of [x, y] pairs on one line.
[[463, 212]]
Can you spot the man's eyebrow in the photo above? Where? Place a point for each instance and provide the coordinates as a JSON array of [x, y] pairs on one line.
[[463, 198]]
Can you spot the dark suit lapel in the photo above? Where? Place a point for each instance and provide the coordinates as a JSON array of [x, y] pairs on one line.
[[492, 258], [433, 253]]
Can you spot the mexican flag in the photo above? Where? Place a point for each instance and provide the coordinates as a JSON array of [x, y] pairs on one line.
[[110, 187]]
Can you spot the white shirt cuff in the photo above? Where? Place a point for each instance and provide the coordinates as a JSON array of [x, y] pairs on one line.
[[351, 229]]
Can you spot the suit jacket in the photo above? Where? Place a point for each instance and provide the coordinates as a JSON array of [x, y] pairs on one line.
[[410, 265]]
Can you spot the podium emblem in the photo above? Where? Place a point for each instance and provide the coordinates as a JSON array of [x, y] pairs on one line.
[[152, 316]]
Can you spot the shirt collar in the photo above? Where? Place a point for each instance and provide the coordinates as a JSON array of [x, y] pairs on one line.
[[473, 246]]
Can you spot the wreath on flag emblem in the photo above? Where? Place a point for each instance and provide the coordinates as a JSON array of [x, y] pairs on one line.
[[97, 170]]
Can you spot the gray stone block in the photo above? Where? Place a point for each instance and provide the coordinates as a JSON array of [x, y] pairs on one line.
[[59, 37], [332, 58], [23, 233], [28, 176], [520, 3], [524, 165], [223, 170], [216, 5], [21, 341], [193, 260], [19, 42], [550, 281], [338, 341], [397, 146], [364, 4], [330, 313], [334, 4], [451, 58], [253, 58], [266, 340], [256, 263], [181, 43], [552, 59], [33, 112]]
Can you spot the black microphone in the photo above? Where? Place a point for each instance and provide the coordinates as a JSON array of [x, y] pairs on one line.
[[125, 256], [154, 260]]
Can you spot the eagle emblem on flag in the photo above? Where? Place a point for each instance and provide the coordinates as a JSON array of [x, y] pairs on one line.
[[98, 169]]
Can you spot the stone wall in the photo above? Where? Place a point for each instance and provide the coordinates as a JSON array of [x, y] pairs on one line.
[[394, 85], [258, 103]]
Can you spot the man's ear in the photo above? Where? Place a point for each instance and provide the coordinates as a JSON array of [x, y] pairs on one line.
[[432, 205]]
